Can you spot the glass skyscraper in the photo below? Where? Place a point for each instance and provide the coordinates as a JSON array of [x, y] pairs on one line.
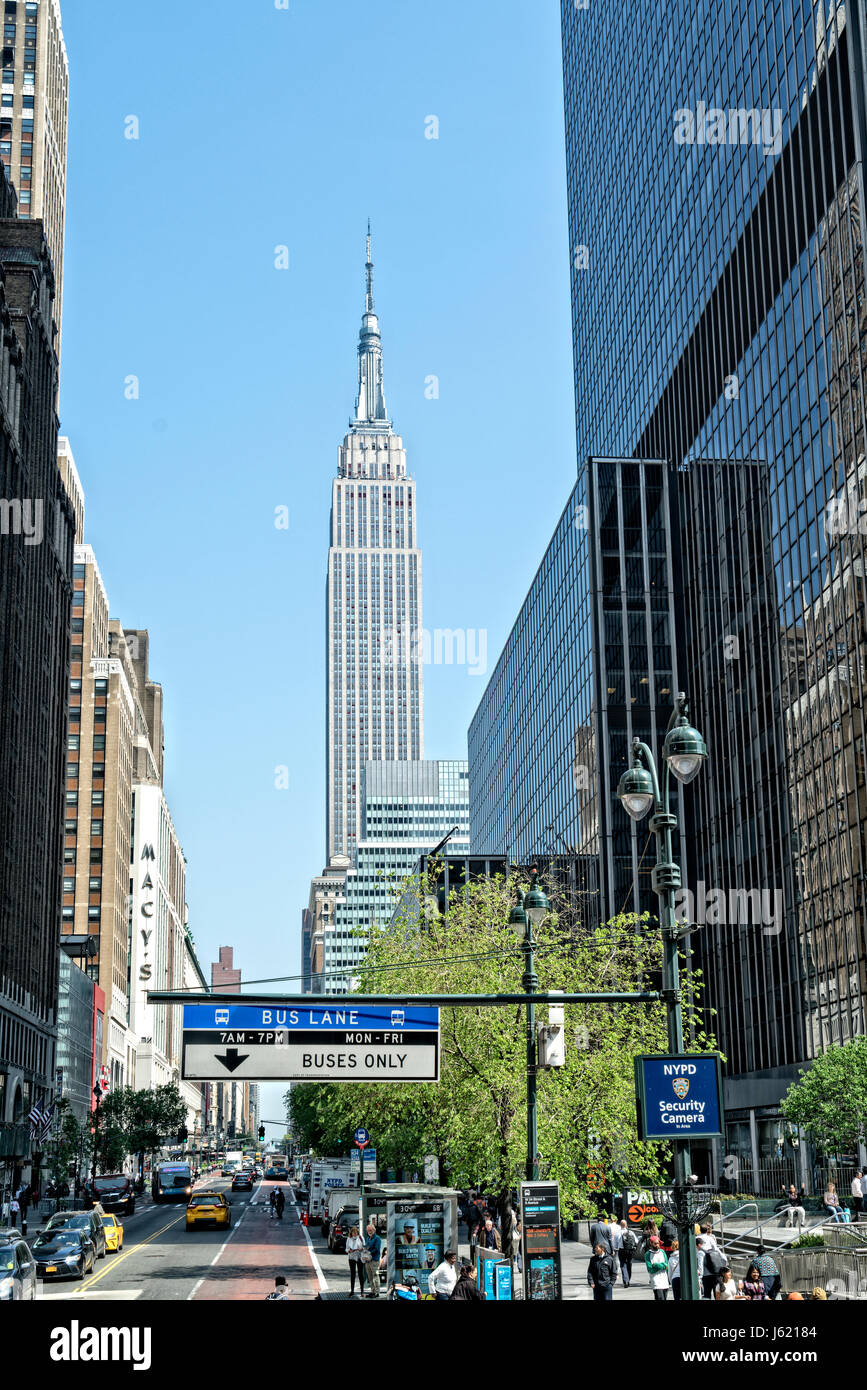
[[590, 662], [408, 808], [715, 162]]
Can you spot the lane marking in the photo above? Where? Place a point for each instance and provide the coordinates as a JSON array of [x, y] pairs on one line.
[[323, 1284], [124, 1255], [232, 1231]]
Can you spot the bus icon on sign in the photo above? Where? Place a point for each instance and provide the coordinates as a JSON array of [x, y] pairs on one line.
[[222, 1016], [398, 1018]]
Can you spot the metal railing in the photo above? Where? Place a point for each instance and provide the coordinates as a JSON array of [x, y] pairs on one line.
[[730, 1214]]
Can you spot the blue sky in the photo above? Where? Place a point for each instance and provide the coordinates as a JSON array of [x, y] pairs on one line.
[[260, 128]]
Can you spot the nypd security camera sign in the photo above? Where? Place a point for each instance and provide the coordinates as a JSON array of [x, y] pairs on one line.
[[679, 1096], [252, 1042]]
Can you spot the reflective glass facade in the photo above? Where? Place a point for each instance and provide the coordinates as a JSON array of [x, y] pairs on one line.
[[716, 210], [590, 663], [407, 808]]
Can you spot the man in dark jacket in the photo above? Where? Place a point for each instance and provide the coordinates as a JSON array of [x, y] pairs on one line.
[[466, 1288], [602, 1274], [600, 1234]]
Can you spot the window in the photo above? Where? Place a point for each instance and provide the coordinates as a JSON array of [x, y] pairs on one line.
[[75, 685], [69, 856], [95, 884], [67, 914], [100, 687], [95, 856], [69, 885], [77, 623], [96, 828], [11, 8], [97, 798], [98, 769], [70, 827], [28, 103], [99, 740], [72, 798], [93, 914], [7, 101], [74, 741]]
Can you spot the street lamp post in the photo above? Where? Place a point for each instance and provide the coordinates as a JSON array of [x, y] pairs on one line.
[[683, 753], [530, 911]]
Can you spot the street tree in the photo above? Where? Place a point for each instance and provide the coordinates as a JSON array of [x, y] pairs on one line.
[[830, 1099], [474, 1119], [142, 1120]]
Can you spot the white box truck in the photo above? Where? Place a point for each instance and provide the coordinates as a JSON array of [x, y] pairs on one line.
[[326, 1174]]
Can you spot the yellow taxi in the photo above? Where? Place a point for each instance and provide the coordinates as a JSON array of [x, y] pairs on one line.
[[113, 1232], [207, 1209]]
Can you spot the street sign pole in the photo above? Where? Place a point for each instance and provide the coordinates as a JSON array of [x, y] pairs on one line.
[[362, 1139]]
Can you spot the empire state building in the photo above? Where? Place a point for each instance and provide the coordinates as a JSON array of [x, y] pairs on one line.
[[374, 608]]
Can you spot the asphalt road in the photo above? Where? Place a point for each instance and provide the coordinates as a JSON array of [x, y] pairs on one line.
[[162, 1261]]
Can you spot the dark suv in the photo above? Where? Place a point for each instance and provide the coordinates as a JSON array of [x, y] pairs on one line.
[[90, 1222], [338, 1231], [242, 1182]]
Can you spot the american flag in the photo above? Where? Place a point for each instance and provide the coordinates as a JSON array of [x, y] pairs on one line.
[[40, 1121], [36, 1118]]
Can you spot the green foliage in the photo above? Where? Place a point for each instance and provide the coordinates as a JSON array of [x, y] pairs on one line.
[[70, 1140], [806, 1242], [475, 1119], [830, 1100], [137, 1122]]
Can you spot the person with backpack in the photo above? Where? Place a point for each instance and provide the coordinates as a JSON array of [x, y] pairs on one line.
[[279, 1203], [627, 1252], [714, 1261], [279, 1292], [602, 1274]]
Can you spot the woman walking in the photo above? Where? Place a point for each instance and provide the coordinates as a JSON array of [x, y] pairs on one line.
[[656, 1261], [354, 1248]]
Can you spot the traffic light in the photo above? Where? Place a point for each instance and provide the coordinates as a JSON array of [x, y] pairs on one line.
[[261, 1131], [182, 1134]]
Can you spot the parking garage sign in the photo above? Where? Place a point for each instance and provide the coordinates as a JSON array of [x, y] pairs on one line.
[[254, 1042], [679, 1096]]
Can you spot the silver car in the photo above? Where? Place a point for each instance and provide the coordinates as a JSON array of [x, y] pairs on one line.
[[17, 1268]]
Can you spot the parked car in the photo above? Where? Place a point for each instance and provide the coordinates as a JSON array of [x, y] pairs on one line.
[[114, 1192], [65, 1252], [242, 1182], [113, 1232], [338, 1231], [88, 1221], [17, 1268]]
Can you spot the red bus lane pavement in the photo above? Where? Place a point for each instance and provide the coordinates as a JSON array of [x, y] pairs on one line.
[[258, 1249]]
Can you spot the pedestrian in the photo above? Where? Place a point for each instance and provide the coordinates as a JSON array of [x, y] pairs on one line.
[[279, 1203], [279, 1291], [442, 1280], [466, 1290], [354, 1247], [714, 1260], [373, 1253], [753, 1287], [656, 1261], [768, 1270], [489, 1236], [627, 1252], [272, 1201], [674, 1271], [600, 1233], [13, 1212], [474, 1225], [818, 1295], [602, 1274], [858, 1192], [794, 1208], [832, 1203], [727, 1289], [616, 1237], [518, 1255], [667, 1234]]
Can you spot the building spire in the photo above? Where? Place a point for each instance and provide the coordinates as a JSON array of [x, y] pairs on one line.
[[370, 402], [368, 304]]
